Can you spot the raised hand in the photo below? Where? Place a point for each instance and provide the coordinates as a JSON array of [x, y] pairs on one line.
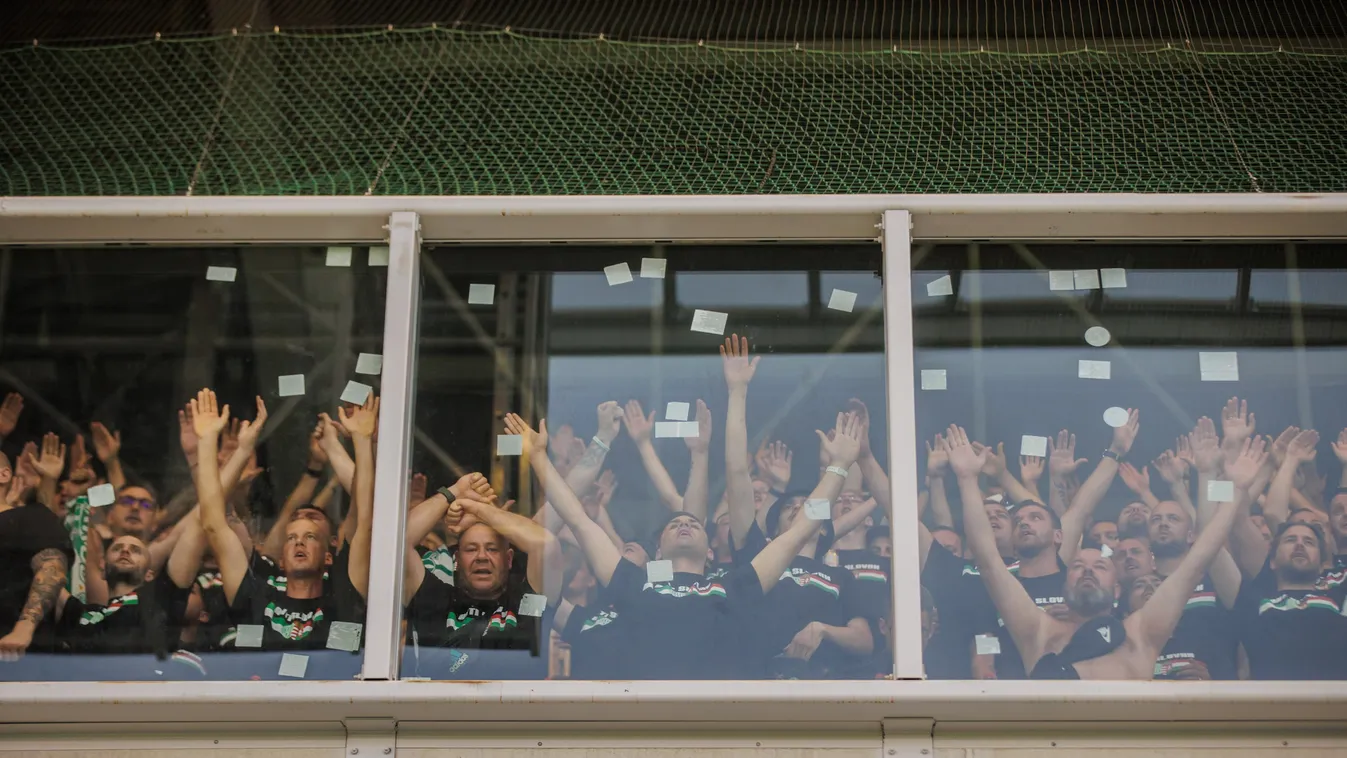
[[1243, 470], [186, 434], [844, 447], [1062, 460], [1137, 480], [1206, 450], [1125, 435], [51, 462], [1171, 467], [416, 489], [1303, 448], [79, 459], [208, 418], [774, 464], [1283, 441], [963, 457], [702, 442], [937, 457], [475, 484], [566, 448], [604, 487], [1340, 447], [536, 442], [995, 464], [229, 441], [317, 455], [739, 369], [854, 405], [360, 422], [328, 435], [1031, 469], [9, 413], [610, 421], [249, 430], [1237, 424], [107, 445], [639, 426], [26, 468]]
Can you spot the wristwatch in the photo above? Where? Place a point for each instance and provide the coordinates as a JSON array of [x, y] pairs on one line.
[[1110, 454], [448, 494]]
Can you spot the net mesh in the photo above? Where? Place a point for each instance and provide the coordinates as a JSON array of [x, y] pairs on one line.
[[439, 111]]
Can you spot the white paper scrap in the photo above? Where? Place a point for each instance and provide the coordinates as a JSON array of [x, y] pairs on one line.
[[344, 635], [818, 509], [509, 444], [102, 494], [1034, 446], [378, 256], [1061, 280], [1115, 417], [248, 635], [688, 429], [988, 644], [1113, 278], [1086, 279], [481, 294], [1097, 336], [933, 379], [221, 273], [709, 322], [532, 605], [339, 256], [677, 411], [290, 385], [356, 393], [667, 428], [998, 497], [842, 300], [659, 571], [293, 665], [1219, 367], [1220, 492], [942, 286], [618, 273], [1106, 551], [1095, 369], [369, 363], [653, 268]]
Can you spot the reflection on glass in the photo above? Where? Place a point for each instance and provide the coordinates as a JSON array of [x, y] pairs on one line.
[[694, 506], [1149, 500], [153, 530]]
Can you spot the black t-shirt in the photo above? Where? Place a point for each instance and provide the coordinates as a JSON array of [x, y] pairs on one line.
[[600, 643], [443, 615], [1292, 634], [148, 620], [1095, 638], [963, 610], [688, 628], [216, 625], [1044, 591], [26, 531], [1204, 634], [297, 623]]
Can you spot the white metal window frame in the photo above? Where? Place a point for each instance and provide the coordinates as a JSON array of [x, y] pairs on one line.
[[894, 220]]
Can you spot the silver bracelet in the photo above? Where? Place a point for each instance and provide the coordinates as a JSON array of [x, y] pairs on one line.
[[601, 444], [838, 470]]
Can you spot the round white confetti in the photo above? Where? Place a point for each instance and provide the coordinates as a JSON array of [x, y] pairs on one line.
[[1115, 416], [1097, 336]]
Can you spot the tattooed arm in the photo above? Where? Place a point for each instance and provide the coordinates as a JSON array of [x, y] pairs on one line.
[[49, 576]]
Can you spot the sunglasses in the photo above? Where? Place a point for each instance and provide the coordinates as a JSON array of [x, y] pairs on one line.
[[128, 500]]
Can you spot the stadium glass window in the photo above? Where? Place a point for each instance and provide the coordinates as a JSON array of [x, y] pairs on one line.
[[147, 535], [1135, 460], [690, 514]]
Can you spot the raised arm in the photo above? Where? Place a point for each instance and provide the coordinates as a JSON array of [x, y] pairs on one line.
[[544, 565], [601, 553], [937, 465], [1095, 486], [1340, 451], [695, 496], [1062, 466], [10, 410], [208, 420], [1301, 450], [429, 512], [585, 472], [49, 577], [361, 423], [996, 460], [302, 494], [95, 584], [329, 439], [739, 370], [639, 428], [108, 448], [49, 464], [185, 561]]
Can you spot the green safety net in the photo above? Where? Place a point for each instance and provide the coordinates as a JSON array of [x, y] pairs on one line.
[[434, 111]]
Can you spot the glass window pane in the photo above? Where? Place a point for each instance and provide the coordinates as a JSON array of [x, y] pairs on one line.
[[636, 551], [142, 575], [1063, 538]]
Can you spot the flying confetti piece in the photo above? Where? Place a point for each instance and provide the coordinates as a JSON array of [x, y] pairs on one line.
[[378, 256], [940, 287], [818, 510], [355, 393], [248, 635], [102, 494], [1095, 369], [339, 256], [221, 273], [1097, 336], [1034, 446], [933, 379], [659, 571], [1219, 367], [653, 268], [1061, 280], [532, 605], [290, 385], [618, 273], [344, 635], [1086, 279], [293, 665], [1106, 551], [509, 444], [988, 644], [842, 300], [1115, 417], [1113, 278], [481, 294], [369, 363], [677, 411], [709, 322], [1220, 492]]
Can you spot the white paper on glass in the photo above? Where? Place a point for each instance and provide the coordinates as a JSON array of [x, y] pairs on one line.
[[221, 273], [1106, 551], [101, 495], [618, 273], [1097, 336], [1219, 367], [988, 644], [293, 665], [1061, 280], [290, 385], [940, 287], [1034, 446], [339, 256], [344, 635], [1086, 279], [356, 393], [1220, 492], [818, 510], [1115, 416], [369, 363], [653, 268], [667, 428], [509, 444], [378, 255], [688, 429], [1113, 278], [933, 379], [709, 322], [677, 411], [842, 300], [1095, 370], [532, 605], [659, 571], [248, 635], [481, 294]]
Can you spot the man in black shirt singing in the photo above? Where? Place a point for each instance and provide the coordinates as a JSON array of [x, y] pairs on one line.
[[34, 560]]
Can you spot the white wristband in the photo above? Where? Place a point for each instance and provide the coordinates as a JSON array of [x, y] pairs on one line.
[[837, 470], [601, 444]]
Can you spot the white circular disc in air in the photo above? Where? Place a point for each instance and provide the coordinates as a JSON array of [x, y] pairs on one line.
[[1097, 336], [1115, 416]]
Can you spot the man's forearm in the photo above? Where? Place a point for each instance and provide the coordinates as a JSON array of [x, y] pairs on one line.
[[873, 475], [694, 498], [586, 471], [854, 638], [49, 576], [115, 473], [738, 485], [941, 513], [659, 476]]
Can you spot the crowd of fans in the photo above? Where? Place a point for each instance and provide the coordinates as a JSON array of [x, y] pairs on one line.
[[1233, 571]]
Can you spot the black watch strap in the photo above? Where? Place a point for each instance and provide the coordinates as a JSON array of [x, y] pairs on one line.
[[316, 473], [1110, 454], [448, 494]]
